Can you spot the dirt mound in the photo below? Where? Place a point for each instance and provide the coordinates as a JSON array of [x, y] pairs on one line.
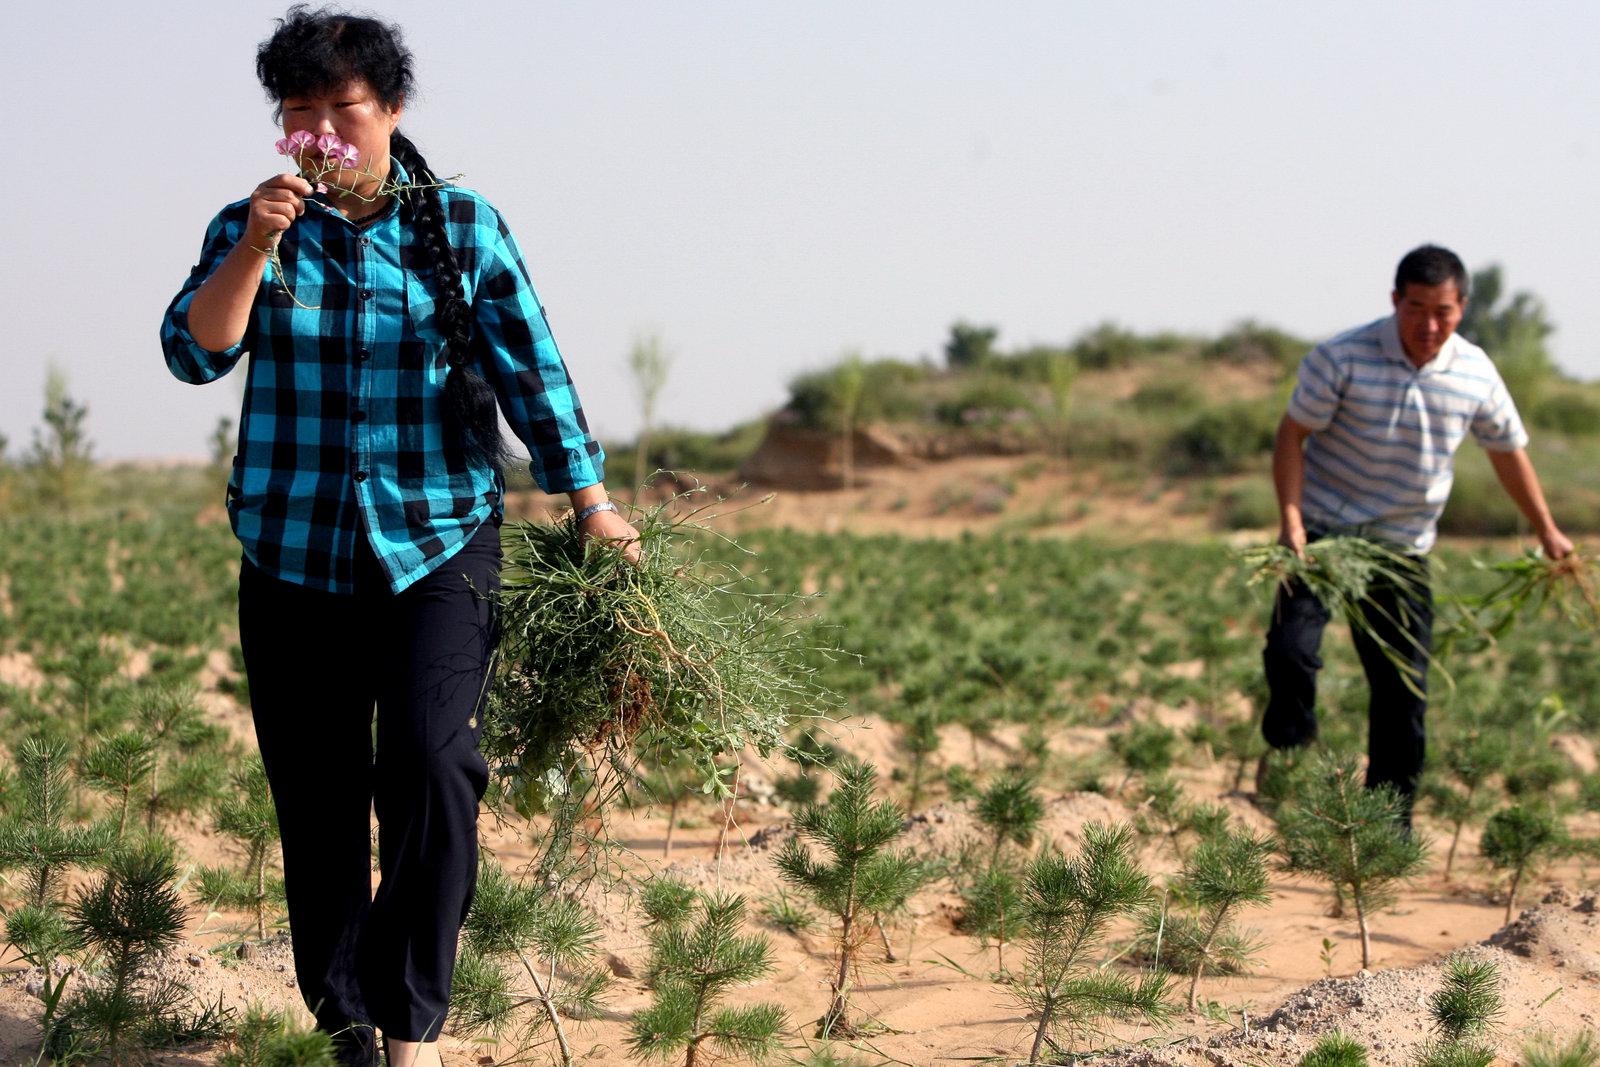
[[1549, 983], [795, 457]]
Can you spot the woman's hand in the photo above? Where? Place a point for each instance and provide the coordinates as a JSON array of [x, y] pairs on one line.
[[609, 526], [274, 206]]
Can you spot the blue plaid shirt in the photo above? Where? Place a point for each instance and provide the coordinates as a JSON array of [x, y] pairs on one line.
[[341, 432]]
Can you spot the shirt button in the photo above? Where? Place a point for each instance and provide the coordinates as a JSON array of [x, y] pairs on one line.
[[361, 476], [363, 353], [358, 416], [366, 242], [366, 294]]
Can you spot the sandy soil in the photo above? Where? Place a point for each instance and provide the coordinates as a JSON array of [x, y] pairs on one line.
[[935, 1004]]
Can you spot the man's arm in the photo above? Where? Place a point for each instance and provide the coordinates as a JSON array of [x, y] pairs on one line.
[[1516, 474], [1288, 478]]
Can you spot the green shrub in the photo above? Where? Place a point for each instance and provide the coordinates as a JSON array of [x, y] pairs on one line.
[[885, 395], [1251, 342], [1250, 505], [1568, 413], [1168, 394], [1223, 439], [985, 400]]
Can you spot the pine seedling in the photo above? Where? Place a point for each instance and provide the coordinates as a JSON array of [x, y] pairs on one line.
[[1242, 742], [1464, 1009], [551, 937], [250, 818], [695, 966], [787, 914], [189, 772], [129, 916], [1546, 1050], [1470, 758], [1350, 836], [37, 839], [1224, 874], [857, 877], [992, 906], [1145, 748], [671, 782], [39, 934], [1516, 839], [120, 766], [920, 739], [1336, 1050], [1167, 812], [267, 1038], [1070, 904], [1010, 809]]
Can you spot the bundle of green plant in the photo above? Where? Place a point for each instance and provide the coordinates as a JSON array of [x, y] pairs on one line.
[[695, 966], [1343, 572], [1546, 1050], [1517, 839], [1469, 757], [857, 877], [129, 916], [266, 1038], [551, 938], [1010, 810], [1570, 586], [1350, 836], [120, 766], [671, 656], [1335, 1050], [37, 838], [1069, 906], [919, 736], [250, 818], [1226, 873], [1145, 748], [1464, 1009]]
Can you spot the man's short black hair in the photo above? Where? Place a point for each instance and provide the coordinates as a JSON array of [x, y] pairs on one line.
[[1432, 265]]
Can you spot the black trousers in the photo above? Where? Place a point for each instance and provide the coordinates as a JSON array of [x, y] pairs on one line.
[[318, 663], [1402, 615]]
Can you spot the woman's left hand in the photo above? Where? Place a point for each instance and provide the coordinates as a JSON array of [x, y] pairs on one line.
[[609, 526]]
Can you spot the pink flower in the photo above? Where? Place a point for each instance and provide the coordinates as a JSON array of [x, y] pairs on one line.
[[329, 143], [300, 140], [349, 155], [321, 188], [284, 146]]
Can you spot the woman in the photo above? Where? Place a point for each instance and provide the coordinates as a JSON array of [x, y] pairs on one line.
[[367, 494]]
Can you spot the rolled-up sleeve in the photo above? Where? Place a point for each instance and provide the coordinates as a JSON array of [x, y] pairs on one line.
[[521, 362], [186, 358]]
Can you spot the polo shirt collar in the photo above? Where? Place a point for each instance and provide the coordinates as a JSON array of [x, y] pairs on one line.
[[1389, 341]]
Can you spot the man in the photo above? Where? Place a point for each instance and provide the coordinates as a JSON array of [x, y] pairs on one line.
[[1368, 448]]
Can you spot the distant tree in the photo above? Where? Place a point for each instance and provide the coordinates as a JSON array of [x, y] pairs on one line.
[[1513, 332], [969, 346], [1518, 837], [223, 443], [60, 457], [649, 364], [849, 383], [1063, 371]]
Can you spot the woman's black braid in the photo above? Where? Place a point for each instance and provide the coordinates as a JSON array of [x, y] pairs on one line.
[[470, 412]]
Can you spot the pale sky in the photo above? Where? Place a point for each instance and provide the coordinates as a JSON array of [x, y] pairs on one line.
[[769, 185]]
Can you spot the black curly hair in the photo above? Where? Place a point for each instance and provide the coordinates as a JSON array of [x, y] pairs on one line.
[[317, 50]]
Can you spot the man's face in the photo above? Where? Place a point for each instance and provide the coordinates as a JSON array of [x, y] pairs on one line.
[[1428, 315]]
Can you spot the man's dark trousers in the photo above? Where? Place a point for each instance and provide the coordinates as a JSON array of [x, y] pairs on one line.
[[1400, 614]]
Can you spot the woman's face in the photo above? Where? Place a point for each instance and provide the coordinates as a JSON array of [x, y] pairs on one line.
[[357, 117]]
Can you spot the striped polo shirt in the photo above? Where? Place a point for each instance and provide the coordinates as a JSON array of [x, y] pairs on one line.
[[1381, 456]]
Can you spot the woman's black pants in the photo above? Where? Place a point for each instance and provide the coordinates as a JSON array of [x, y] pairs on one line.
[[318, 663], [1401, 614]]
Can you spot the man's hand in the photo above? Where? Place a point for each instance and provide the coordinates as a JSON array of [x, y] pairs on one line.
[[1556, 544], [1292, 535], [609, 526]]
